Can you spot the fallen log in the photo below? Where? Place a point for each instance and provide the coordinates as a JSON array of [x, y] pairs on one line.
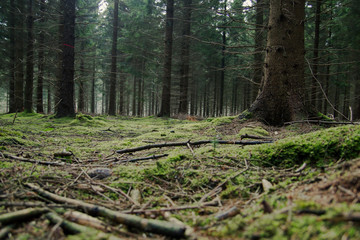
[[21, 215], [32, 160], [149, 225], [176, 144]]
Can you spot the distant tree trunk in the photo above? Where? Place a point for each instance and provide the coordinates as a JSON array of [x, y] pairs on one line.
[[93, 88], [259, 46], [41, 59], [49, 105], [185, 58], [314, 87], [81, 101], [166, 86], [112, 100], [134, 96], [19, 59], [12, 106], [223, 65], [29, 84], [121, 94], [65, 107], [281, 99]]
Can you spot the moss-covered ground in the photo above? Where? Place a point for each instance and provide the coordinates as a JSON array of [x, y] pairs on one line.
[[197, 185]]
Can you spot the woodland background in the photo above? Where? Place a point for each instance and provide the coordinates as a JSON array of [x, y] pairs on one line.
[[216, 62]]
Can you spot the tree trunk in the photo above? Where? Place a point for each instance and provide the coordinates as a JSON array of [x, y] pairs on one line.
[[281, 99], [41, 59], [81, 101], [259, 46], [19, 59], [223, 65], [12, 107], [92, 107], [166, 86], [65, 107], [112, 100], [184, 58], [29, 84], [314, 87]]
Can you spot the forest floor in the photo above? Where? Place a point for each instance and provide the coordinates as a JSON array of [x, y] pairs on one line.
[[301, 181]]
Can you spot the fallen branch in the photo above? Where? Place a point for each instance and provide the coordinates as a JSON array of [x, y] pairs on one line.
[[6, 230], [176, 144], [22, 215], [141, 159], [150, 225], [32, 160], [34, 205], [254, 137], [233, 211]]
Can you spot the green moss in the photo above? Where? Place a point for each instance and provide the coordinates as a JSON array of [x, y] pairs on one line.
[[221, 120], [11, 141], [257, 131], [316, 148]]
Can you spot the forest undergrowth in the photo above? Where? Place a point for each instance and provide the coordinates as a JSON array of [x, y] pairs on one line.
[[101, 177]]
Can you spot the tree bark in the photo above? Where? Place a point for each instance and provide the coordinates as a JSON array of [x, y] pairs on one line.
[[12, 106], [93, 88], [41, 63], [166, 86], [65, 107], [259, 46], [112, 100], [314, 87], [19, 57], [185, 58], [29, 84], [281, 99]]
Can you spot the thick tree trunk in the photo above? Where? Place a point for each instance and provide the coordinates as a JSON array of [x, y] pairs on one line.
[[65, 107], [41, 63], [112, 100], [166, 86], [281, 99], [185, 58]]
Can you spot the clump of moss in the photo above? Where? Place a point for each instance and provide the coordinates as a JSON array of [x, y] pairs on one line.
[[11, 141], [221, 120], [316, 148], [258, 131]]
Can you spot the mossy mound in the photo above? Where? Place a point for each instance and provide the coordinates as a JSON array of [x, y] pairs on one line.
[[316, 148]]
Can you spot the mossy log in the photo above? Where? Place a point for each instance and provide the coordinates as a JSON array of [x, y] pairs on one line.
[[149, 225], [22, 215]]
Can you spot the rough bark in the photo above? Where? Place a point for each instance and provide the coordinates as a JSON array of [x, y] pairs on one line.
[[166, 86], [65, 107], [93, 89], [112, 100], [184, 58], [281, 99], [29, 84], [314, 87]]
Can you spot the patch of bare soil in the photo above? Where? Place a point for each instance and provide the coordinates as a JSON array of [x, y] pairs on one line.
[[340, 184]]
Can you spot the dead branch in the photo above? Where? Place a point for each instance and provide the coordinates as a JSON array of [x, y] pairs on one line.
[[231, 212], [22, 215], [33, 161], [150, 225], [176, 144], [6, 230], [254, 137], [34, 205], [141, 159]]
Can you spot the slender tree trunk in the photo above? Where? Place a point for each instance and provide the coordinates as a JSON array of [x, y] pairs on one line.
[[92, 107], [166, 86], [121, 94], [282, 97], [65, 107], [12, 107], [19, 58], [223, 65], [314, 87], [259, 46], [49, 105], [185, 57], [41, 63], [29, 84], [112, 100], [134, 96], [81, 102]]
